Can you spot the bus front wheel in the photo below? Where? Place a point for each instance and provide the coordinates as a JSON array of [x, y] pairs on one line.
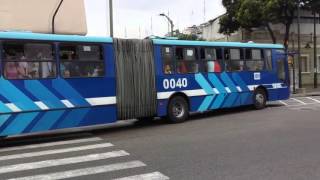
[[178, 110], [259, 99]]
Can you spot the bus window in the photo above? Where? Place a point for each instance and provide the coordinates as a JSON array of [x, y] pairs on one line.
[[254, 59], [281, 69], [234, 59], [268, 58], [187, 60], [168, 62], [28, 60], [81, 61], [211, 59]]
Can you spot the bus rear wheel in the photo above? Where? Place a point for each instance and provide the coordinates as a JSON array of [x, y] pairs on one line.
[[178, 110], [259, 99]]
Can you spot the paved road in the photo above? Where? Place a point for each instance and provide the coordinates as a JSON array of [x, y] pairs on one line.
[[280, 142]]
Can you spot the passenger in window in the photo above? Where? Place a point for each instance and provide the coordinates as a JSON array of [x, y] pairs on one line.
[[214, 66], [47, 70], [167, 69], [182, 68], [34, 70], [22, 70], [11, 70]]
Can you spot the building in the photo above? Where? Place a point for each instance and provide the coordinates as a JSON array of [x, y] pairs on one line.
[[261, 35], [36, 16]]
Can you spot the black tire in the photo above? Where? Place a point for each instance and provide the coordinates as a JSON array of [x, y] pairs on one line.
[[178, 110], [259, 99]]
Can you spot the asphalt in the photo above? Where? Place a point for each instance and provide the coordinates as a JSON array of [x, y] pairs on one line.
[[279, 142]]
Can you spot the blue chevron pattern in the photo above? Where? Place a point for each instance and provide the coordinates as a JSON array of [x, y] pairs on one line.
[[25, 108], [229, 94]]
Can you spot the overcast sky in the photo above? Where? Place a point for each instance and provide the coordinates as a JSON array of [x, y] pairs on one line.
[[140, 18]]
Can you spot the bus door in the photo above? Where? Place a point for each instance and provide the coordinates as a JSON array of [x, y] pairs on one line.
[[282, 71]]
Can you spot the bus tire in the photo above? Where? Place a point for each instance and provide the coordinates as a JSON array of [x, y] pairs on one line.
[[178, 110], [259, 99]]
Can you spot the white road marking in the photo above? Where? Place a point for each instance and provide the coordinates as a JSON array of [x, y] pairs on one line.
[[55, 151], [284, 103], [299, 105], [316, 100], [86, 171], [297, 100], [149, 176], [51, 144], [59, 162]]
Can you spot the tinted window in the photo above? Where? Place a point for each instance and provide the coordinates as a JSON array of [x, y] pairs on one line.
[[81, 60], [24, 60], [168, 61], [211, 59], [254, 59], [187, 60], [234, 59]]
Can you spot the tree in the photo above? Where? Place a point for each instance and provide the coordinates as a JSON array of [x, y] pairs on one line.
[[250, 14]]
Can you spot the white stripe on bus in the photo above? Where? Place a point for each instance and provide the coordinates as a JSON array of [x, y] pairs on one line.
[[67, 103], [13, 107], [55, 151], [102, 101], [59, 162], [85, 171], [41, 105]]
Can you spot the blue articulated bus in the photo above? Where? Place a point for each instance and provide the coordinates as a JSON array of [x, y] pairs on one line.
[[51, 82]]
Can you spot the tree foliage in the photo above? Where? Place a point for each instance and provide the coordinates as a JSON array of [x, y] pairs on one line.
[[248, 14]]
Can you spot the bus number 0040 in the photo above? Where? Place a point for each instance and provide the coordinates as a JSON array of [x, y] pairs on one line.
[[172, 83]]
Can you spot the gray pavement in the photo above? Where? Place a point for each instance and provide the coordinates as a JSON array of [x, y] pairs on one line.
[[279, 142]]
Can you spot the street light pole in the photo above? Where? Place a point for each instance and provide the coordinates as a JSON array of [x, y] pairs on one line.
[[315, 73], [111, 17], [170, 21], [299, 49]]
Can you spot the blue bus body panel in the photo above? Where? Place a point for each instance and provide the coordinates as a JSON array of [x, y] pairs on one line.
[[29, 106], [209, 91]]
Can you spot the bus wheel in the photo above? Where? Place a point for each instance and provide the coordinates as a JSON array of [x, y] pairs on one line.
[[259, 99], [178, 110]]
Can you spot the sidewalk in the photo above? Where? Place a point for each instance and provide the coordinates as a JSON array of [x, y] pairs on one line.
[[309, 91]]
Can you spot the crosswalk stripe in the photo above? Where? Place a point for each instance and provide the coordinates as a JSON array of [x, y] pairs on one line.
[[149, 176], [297, 100], [55, 151], [51, 144], [316, 100], [59, 162], [85, 171], [283, 103]]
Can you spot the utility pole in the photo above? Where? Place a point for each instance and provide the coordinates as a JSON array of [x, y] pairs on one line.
[[111, 17], [315, 73], [299, 49], [170, 22]]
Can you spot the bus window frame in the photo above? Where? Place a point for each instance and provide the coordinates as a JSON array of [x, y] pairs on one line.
[[263, 59], [71, 43], [220, 61], [197, 58], [25, 41], [226, 60], [172, 59]]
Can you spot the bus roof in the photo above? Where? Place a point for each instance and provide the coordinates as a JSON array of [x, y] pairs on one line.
[[219, 44], [53, 37]]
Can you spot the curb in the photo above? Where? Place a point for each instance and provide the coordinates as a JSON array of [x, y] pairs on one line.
[[306, 94]]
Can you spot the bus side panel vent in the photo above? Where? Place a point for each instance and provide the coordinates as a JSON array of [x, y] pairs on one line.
[[136, 88]]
